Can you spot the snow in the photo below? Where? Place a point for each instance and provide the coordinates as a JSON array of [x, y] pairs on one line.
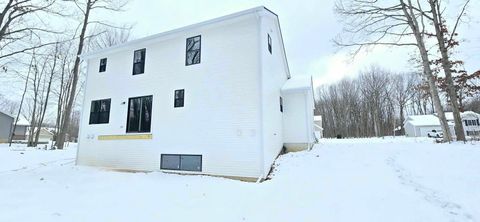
[[466, 114], [391, 179], [298, 84], [423, 120]]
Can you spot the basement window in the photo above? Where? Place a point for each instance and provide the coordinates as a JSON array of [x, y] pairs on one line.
[[179, 98], [100, 111], [193, 50], [181, 162], [269, 44], [139, 117], [139, 61], [103, 65]]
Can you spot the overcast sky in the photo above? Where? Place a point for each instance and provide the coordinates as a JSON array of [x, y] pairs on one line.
[[308, 28]]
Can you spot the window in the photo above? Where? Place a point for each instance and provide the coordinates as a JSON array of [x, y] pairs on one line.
[[193, 50], [100, 111], [139, 61], [466, 122], [181, 162], [269, 44], [179, 98], [139, 116], [281, 104], [103, 65]]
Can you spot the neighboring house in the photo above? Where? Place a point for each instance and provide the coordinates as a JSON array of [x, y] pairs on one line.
[[211, 98], [5, 127], [45, 135], [317, 121], [420, 125], [470, 121]]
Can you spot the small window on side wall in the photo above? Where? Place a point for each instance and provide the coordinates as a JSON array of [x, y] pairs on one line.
[[281, 104], [269, 44], [100, 111], [193, 52], [103, 65], [139, 61], [179, 98]]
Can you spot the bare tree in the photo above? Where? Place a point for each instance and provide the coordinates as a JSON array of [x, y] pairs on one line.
[[370, 23], [86, 9]]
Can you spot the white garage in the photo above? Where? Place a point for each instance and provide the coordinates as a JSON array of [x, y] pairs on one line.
[[419, 126]]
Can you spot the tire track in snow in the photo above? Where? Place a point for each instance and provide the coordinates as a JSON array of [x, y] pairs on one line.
[[454, 210]]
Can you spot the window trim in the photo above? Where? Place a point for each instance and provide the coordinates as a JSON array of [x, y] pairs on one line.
[[128, 116], [104, 67], [175, 99], [109, 108], [199, 51], [180, 162], [143, 62]]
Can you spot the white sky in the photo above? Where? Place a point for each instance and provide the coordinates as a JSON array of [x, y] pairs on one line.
[[308, 28]]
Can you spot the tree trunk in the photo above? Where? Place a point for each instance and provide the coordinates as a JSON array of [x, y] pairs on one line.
[[447, 68], [413, 23], [76, 73]]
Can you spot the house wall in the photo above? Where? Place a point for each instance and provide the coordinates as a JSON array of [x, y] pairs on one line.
[[20, 133], [5, 127], [274, 76], [471, 130], [297, 133], [221, 117]]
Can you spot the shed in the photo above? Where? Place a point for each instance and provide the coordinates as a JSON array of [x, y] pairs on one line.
[[317, 121]]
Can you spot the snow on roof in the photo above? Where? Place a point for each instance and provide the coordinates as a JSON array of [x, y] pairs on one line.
[[317, 118], [298, 83], [423, 120], [449, 115]]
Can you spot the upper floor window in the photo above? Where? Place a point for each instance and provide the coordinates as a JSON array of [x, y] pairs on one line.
[[103, 65], [179, 98], [193, 50], [269, 44], [100, 111], [139, 117], [139, 61]]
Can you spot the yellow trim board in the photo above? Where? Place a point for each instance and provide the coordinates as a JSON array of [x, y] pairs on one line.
[[126, 137]]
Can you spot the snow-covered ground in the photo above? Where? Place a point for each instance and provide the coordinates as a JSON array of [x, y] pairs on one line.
[[398, 179]]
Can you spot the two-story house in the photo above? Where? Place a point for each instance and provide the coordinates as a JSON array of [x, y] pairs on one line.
[[212, 98]]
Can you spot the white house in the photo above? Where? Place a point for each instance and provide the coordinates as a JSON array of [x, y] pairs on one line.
[[470, 121], [211, 98], [420, 125], [5, 127]]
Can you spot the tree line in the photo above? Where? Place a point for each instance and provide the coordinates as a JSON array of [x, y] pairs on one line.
[[40, 45]]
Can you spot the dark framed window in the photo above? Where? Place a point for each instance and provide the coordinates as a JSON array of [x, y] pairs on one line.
[[181, 162], [179, 98], [100, 111], [103, 65], [281, 104], [139, 117], [269, 44], [193, 52], [139, 61]]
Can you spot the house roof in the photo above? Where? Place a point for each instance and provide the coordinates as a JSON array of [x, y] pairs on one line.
[[449, 115], [423, 120], [22, 122], [163, 35], [298, 84]]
